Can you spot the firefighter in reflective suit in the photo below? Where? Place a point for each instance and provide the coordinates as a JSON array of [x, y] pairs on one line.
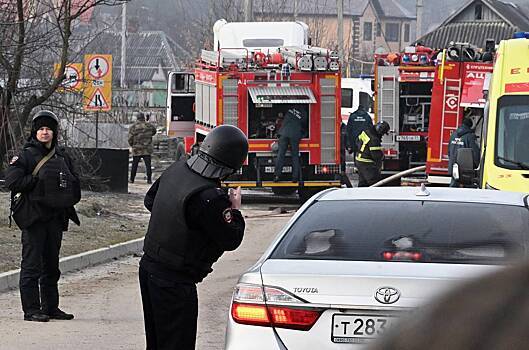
[[193, 222], [370, 155]]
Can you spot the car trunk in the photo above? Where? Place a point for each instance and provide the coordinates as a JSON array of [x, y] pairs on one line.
[[346, 290]]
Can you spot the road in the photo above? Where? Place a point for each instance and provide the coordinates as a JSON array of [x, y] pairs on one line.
[[107, 306]]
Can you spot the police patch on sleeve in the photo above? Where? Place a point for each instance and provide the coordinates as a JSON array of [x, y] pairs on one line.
[[13, 160], [227, 216]]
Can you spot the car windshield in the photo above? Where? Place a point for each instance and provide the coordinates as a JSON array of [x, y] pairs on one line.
[[512, 129], [415, 231]]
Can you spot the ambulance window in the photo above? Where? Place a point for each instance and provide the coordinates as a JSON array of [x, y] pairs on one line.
[[263, 42], [512, 129], [347, 98]]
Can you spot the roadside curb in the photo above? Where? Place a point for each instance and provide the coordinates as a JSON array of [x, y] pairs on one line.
[[9, 279]]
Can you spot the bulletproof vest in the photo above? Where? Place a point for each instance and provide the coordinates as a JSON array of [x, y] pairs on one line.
[[169, 239]]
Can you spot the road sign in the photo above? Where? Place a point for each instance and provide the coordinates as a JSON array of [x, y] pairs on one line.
[[98, 86], [73, 77], [97, 101]]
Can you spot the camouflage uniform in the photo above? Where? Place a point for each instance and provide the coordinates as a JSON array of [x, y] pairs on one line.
[[140, 139]]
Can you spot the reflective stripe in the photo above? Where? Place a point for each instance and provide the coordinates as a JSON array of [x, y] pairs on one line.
[[365, 140], [375, 148], [365, 160]]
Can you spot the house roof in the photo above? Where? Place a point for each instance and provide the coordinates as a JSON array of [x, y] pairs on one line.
[[146, 52], [353, 8], [514, 12], [472, 32]]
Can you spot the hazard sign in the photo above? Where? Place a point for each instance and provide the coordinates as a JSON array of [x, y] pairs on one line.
[[97, 101], [73, 79], [98, 86]]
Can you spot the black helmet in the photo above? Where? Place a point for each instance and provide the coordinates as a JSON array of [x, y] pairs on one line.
[[45, 118], [222, 153], [382, 128]]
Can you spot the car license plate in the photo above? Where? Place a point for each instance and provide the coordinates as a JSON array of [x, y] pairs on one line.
[[408, 138], [354, 328], [271, 169]]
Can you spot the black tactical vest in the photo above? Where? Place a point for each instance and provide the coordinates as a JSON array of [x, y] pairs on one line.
[[169, 240]]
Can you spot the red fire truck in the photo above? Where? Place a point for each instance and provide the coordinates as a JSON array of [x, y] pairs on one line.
[[403, 95], [457, 92], [251, 88]]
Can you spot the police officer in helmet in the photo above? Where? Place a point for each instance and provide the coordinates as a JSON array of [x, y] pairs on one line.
[[193, 222], [369, 157], [41, 212]]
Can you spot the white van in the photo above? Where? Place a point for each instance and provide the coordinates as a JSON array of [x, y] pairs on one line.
[[356, 91]]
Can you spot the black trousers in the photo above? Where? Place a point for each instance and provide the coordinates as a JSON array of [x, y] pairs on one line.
[[368, 173], [284, 141], [39, 270], [134, 167], [170, 311]]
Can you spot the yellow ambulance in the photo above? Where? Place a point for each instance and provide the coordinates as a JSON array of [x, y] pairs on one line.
[[504, 161]]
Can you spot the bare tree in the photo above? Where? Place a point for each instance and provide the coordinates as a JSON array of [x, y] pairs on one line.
[[34, 34]]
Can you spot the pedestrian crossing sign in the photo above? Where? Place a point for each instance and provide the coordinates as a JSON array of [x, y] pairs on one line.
[[97, 101]]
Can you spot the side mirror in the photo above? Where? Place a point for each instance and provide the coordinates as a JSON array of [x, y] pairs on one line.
[[464, 167]]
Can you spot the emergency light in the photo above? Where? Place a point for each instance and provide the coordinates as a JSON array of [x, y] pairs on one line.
[[520, 35], [406, 59]]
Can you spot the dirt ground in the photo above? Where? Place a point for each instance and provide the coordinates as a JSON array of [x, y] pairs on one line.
[[106, 218]]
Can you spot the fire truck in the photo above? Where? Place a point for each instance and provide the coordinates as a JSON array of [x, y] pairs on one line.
[[403, 97], [255, 74], [457, 92]]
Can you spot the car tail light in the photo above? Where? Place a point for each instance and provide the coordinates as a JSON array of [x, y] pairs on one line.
[[401, 256], [249, 307]]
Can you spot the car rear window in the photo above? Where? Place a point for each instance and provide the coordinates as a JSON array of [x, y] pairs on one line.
[[415, 231]]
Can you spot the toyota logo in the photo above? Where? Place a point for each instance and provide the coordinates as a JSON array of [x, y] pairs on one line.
[[387, 295]]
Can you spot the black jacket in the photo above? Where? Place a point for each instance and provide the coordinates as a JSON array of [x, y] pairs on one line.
[[191, 225], [19, 178], [463, 137], [358, 121], [369, 148]]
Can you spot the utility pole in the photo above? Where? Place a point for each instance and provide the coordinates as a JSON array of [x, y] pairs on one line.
[[123, 45], [418, 31], [295, 10], [248, 10], [339, 5]]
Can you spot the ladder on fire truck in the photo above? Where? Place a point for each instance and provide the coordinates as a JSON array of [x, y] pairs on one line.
[[388, 109], [449, 122]]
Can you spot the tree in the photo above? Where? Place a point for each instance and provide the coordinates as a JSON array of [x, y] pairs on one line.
[[35, 34]]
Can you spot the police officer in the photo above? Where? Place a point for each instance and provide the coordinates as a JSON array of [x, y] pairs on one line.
[[290, 133], [192, 223], [358, 121], [370, 155], [42, 226], [140, 139], [463, 137]]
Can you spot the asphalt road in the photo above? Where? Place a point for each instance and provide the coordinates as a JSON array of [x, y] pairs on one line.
[[107, 306]]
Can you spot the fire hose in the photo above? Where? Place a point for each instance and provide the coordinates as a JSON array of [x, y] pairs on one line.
[[398, 175]]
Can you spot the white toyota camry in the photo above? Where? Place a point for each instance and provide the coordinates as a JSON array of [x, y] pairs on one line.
[[351, 262]]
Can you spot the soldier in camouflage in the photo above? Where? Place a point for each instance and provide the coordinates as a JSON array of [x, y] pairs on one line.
[[140, 140]]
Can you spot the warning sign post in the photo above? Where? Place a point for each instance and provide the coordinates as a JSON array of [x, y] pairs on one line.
[[98, 85]]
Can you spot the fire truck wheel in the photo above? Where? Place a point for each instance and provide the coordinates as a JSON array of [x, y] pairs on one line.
[[305, 193]]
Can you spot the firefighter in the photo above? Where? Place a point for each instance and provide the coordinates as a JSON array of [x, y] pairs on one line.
[[42, 225], [140, 140], [290, 133], [370, 155], [463, 137], [193, 222], [358, 121]]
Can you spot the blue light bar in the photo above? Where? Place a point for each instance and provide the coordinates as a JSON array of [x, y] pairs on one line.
[[520, 35]]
